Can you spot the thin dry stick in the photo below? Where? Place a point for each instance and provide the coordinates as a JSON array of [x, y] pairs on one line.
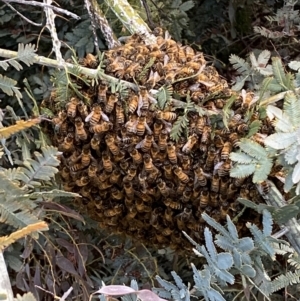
[[50, 15], [93, 23], [103, 24], [22, 16], [35, 3]]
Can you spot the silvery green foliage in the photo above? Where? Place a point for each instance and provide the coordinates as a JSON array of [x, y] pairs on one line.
[[251, 159], [253, 72], [286, 140], [244, 256]]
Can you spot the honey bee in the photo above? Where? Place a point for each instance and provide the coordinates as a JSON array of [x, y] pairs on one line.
[[101, 127], [132, 212], [146, 143], [170, 77], [120, 116], [124, 165], [116, 210], [82, 109], [242, 128], [167, 231], [86, 155], [91, 61], [92, 169], [111, 144], [186, 196], [204, 199], [226, 150], [107, 163], [200, 176], [214, 199], [68, 144], [183, 218], [95, 142], [265, 187], [65, 173], [80, 131], [133, 102], [144, 100], [164, 190], [192, 140], [131, 173], [168, 215], [148, 164], [172, 204], [60, 122], [224, 168], [157, 128], [168, 171], [215, 184], [183, 177], [104, 176], [163, 140], [116, 65], [169, 116], [128, 189], [94, 117], [181, 55], [224, 183], [136, 156], [132, 70], [110, 104], [141, 126], [180, 188], [171, 151], [185, 163], [234, 120], [69, 186], [102, 90], [84, 180], [234, 139], [116, 194], [115, 176], [206, 134], [71, 107], [152, 80]]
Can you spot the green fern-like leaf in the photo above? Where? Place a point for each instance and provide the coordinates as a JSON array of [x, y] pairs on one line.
[[26, 54], [242, 171], [239, 64], [282, 79], [253, 149], [254, 127], [241, 158], [281, 140], [178, 127], [164, 95], [42, 169], [291, 108], [7, 85]]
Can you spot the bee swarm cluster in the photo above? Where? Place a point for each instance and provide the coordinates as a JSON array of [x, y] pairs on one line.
[[118, 154]]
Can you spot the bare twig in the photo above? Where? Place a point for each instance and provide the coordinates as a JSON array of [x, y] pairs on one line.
[[51, 26], [92, 18], [40, 4], [22, 16], [103, 24]]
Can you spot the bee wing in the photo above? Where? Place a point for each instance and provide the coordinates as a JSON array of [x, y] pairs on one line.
[[88, 117], [184, 148], [140, 105], [168, 126], [218, 166], [140, 144], [166, 59], [152, 99], [104, 117], [148, 128]]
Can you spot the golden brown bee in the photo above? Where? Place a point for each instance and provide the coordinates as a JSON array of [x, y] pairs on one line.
[[192, 140], [204, 198], [163, 140], [111, 144], [171, 151], [116, 194], [82, 109], [116, 65], [238, 182], [234, 121], [168, 173], [144, 100], [68, 144], [265, 187], [176, 205], [148, 164], [183, 218], [205, 138], [164, 190], [91, 61], [170, 77], [71, 107], [226, 150], [181, 55], [102, 89], [180, 188], [69, 186], [234, 139], [213, 199], [131, 173], [116, 210], [95, 142], [84, 180], [157, 128], [146, 143], [102, 127], [200, 176], [189, 53], [211, 154], [115, 176], [185, 163], [152, 80], [65, 173], [242, 128], [80, 131], [94, 117], [136, 156], [224, 168], [141, 126], [92, 169], [215, 183], [128, 189], [183, 177], [142, 50], [120, 116], [185, 71], [104, 176], [201, 123], [133, 103], [186, 196], [110, 104], [169, 116], [86, 155], [107, 163], [132, 70], [60, 122]]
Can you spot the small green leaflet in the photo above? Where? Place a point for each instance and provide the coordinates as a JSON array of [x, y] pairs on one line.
[[254, 128]]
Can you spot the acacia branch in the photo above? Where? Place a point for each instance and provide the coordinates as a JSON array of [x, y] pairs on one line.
[[92, 73], [35, 3]]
